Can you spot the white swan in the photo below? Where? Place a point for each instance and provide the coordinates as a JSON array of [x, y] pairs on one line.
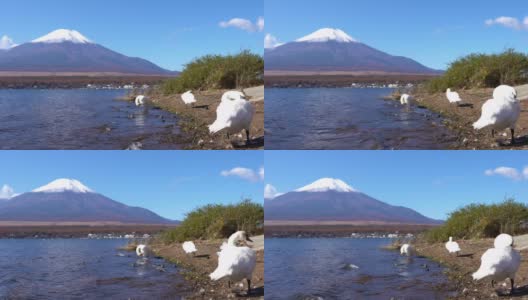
[[189, 247], [406, 99], [504, 91], [188, 98], [140, 100], [453, 97], [142, 250], [406, 249], [501, 112], [452, 247], [232, 95], [234, 114], [500, 262], [234, 262]]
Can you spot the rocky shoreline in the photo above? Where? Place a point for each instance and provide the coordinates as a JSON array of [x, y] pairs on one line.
[[193, 121], [459, 270], [196, 270], [459, 119]]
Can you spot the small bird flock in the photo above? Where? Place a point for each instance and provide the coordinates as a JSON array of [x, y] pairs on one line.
[[497, 264], [499, 113]]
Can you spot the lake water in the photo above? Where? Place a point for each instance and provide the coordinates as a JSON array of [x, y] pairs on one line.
[[348, 118], [344, 268], [79, 119], [83, 269]]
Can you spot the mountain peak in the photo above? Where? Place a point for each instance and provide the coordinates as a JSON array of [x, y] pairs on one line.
[[328, 34], [63, 35], [63, 185], [327, 184]]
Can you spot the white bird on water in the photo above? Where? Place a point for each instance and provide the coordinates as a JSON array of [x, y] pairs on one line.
[[188, 98], [142, 250], [500, 262], [501, 112], [234, 114], [189, 247], [140, 100], [452, 247], [406, 99], [406, 249], [453, 97], [234, 262]]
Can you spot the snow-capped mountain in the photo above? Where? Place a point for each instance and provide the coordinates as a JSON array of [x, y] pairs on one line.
[[327, 184], [66, 50], [330, 199], [328, 49], [63, 185], [68, 200], [326, 35], [63, 35]]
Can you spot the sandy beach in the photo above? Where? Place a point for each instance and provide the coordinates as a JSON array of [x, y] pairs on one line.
[[198, 268], [460, 119], [194, 121]]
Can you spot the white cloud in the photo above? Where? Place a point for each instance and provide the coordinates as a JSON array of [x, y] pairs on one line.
[[260, 24], [7, 192], [271, 41], [508, 22], [271, 192], [261, 173], [245, 173], [6, 43], [507, 172], [244, 24]]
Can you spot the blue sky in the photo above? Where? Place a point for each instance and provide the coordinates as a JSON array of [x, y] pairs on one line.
[[168, 33], [170, 183], [432, 32], [432, 182]]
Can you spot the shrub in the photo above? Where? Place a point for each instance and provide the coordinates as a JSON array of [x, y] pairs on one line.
[[482, 70], [481, 221], [215, 221], [218, 72]]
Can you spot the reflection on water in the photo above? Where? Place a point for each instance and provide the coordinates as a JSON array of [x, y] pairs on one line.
[[79, 119], [84, 269], [338, 118], [340, 268]]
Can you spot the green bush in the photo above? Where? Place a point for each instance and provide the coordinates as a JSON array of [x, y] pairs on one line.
[[218, 72], [215, 221], [481, 221], [482, 70]]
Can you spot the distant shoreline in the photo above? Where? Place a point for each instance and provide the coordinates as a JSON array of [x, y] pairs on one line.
[[75, 229], [341, 230], [72, 80], [339, 80]]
